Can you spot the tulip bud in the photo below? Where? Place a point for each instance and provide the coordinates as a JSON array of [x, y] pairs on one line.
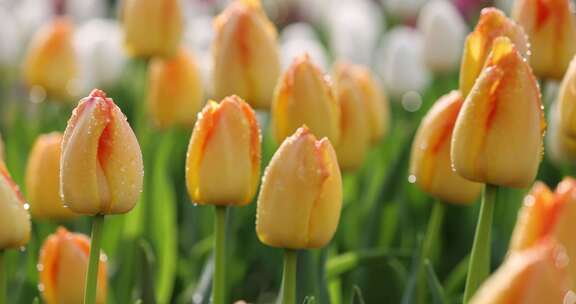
[[301, 195], [533, 276], [152, 27], [50, 62], [355, 131], [566, 105], [304, 96], [101, 169], [63, 265], [14, 217], [546, 214], [551, 27], [491, 25], [43, 178], [176, 91], [245, 54], [499, 132], [223, 161], [430, 160]]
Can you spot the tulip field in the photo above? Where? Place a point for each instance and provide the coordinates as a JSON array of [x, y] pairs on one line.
[[256, 151]]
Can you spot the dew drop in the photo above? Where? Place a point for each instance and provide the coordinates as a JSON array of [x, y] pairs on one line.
[[569, 298], [561, 258], [23, 249], [41, 287], [26, 206], [40, 267], [529, 200], [412, 178]]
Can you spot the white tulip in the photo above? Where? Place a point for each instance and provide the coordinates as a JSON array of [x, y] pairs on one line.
[[11, 37], [299, 38], [444, 30], [198, 36], [403, 8]]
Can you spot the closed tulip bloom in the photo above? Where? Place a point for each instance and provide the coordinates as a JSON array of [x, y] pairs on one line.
[[561, 147], [50, 62], [43, 178], [304, 96], [355, 131], [63, 265], [245, 53], [176, 91], [152, 28], [548, 215], [14, 217], [533, 276], [491, 25], [430, 159], [499, 132], [567, 102], [301, 195], [223, 161], [551, 27], [101, 169]]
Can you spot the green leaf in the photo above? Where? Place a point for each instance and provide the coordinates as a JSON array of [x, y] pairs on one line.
[[435, 286], [357, 296]]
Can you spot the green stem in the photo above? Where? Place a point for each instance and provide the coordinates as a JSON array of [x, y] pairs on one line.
[[289, 277], [3, 282], [218, 283], [479, 267], [431, 237], [92, 276]]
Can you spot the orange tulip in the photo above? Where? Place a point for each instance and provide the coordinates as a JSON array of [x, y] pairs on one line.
[[176, 90], [245, 54], [43, 178], [14, 217], [301, 195], [63, 265], [101, 167], [50, 62], [533, 276], [546, 214], [430, 160], [566, 105], [355, 131], [223, 161], [375, 100], [551, 27], [304, 96], [491, 25], [152, 27], [499, 132]]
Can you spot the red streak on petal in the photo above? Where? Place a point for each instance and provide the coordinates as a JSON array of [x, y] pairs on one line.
[[543, 12], [11, 183]]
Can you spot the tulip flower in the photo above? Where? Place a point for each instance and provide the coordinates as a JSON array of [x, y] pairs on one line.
[[300, 200], [304, 96], [551, 28], [499, 131], [14, 217], [223, 162], [535, 275], [430, 160], [50, 62], [101, 163], [176, 91], [223, 168], [152, 28], [301, 195], [491, 25], [1, 149], [43, 178], [355, 131], [548, 215], [566, 105], [245, 54], [63, 264], [561, 147]]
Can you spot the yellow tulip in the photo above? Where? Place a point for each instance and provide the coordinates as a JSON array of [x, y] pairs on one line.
[[430, 159], [303, 96], [14, 217], [375, 100], [499, 132], [301, 195], [561, 146], [152, 28], [566, 105], [175, 90], [533, 276], [63, 265], [245, 54], [50, 62], [223, 161], [491, 25], [355, 131], [548, 215], [101, 167], [43, 178], [551, 28]]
